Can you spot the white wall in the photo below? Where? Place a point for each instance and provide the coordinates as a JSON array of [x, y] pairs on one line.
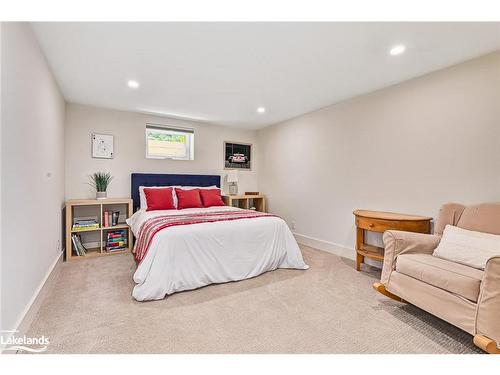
[[128, 129], [32, 163], [1, 178], [408, 148]]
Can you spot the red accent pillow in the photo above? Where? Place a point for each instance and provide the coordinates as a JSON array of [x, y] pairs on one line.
[[188, 198], [159, 199], [211, 197]]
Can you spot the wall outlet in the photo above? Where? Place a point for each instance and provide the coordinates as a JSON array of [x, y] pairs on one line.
[[292, 224]]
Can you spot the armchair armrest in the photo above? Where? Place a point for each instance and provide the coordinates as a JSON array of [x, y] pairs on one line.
[[488, 307], [399, 242]]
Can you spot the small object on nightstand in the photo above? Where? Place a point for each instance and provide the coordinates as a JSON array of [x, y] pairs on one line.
[[379, 221], [232, 179]]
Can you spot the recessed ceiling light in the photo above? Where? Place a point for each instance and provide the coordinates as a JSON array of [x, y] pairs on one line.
[[397, 50], [261, 109], [133, 84]]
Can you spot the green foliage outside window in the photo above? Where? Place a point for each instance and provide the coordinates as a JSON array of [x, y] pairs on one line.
[[166, 137]]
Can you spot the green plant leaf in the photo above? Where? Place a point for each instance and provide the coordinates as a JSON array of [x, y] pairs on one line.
[[100, 181]]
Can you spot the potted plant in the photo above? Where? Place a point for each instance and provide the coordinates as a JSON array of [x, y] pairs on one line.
[[100, 182]]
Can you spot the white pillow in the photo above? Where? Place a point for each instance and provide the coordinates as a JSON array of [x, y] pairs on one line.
[[197, 187], [142, 195], [467, 247]]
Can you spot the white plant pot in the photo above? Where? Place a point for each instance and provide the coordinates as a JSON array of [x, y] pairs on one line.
[[101, 195]]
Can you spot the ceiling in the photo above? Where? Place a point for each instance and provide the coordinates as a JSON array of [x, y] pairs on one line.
[[221, 72]]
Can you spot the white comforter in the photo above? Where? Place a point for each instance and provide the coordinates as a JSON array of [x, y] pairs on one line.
[[191, 256]]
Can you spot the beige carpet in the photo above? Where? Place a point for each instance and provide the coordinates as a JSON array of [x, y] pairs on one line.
[[329, 308]]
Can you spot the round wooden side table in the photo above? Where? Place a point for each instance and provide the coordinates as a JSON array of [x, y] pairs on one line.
[[379, 221]]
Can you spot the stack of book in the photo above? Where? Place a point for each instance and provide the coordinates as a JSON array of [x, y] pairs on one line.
[[85, 224], [77, 243], [116, 240]]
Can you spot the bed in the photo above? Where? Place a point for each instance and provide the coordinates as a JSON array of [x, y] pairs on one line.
[[210, 245]]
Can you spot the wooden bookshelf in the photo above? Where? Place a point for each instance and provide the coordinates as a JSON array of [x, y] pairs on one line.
[[82, 208]]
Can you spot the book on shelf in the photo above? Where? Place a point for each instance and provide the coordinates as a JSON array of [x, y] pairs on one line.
[[80, 250], [88, 227], [110, 250], [85, 221], [73, 239], [116, 244], [116, 240], [85, 224]]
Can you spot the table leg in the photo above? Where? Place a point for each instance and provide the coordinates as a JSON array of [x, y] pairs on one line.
[[360, 238], [359, 259]]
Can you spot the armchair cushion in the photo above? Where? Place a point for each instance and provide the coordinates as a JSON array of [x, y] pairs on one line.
[[399, 242], [453, 277], [481, 218]]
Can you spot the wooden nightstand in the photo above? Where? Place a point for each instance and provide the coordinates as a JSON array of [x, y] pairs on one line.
[[246, 201], [379, 221]]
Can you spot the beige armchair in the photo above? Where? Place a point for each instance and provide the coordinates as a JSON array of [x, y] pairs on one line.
[[466, 297]]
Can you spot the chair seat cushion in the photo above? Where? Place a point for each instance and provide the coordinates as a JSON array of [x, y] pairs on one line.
[[453, 277]]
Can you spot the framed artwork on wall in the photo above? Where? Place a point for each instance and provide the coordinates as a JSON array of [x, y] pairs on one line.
[[102, 146], [237, 156]]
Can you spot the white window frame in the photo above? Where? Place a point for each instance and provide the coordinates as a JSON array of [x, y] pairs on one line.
[[189, 133]]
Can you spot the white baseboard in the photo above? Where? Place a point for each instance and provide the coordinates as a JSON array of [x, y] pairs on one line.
[[33, 305], [327, 246], [332, 247]]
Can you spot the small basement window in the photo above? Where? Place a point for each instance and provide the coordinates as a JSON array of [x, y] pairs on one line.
[[164, 142]]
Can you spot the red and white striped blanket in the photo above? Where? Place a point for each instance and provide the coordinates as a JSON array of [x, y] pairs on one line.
[[152, 226]]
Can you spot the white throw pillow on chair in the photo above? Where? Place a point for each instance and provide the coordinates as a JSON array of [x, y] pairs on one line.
[[467, 247]]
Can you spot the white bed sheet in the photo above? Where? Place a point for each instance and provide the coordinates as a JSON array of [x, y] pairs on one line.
[[191, 256]]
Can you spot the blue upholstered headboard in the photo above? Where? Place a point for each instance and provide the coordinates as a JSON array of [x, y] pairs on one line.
[[154, 179]]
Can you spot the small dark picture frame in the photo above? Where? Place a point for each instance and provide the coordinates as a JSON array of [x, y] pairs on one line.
[[237, 156]]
